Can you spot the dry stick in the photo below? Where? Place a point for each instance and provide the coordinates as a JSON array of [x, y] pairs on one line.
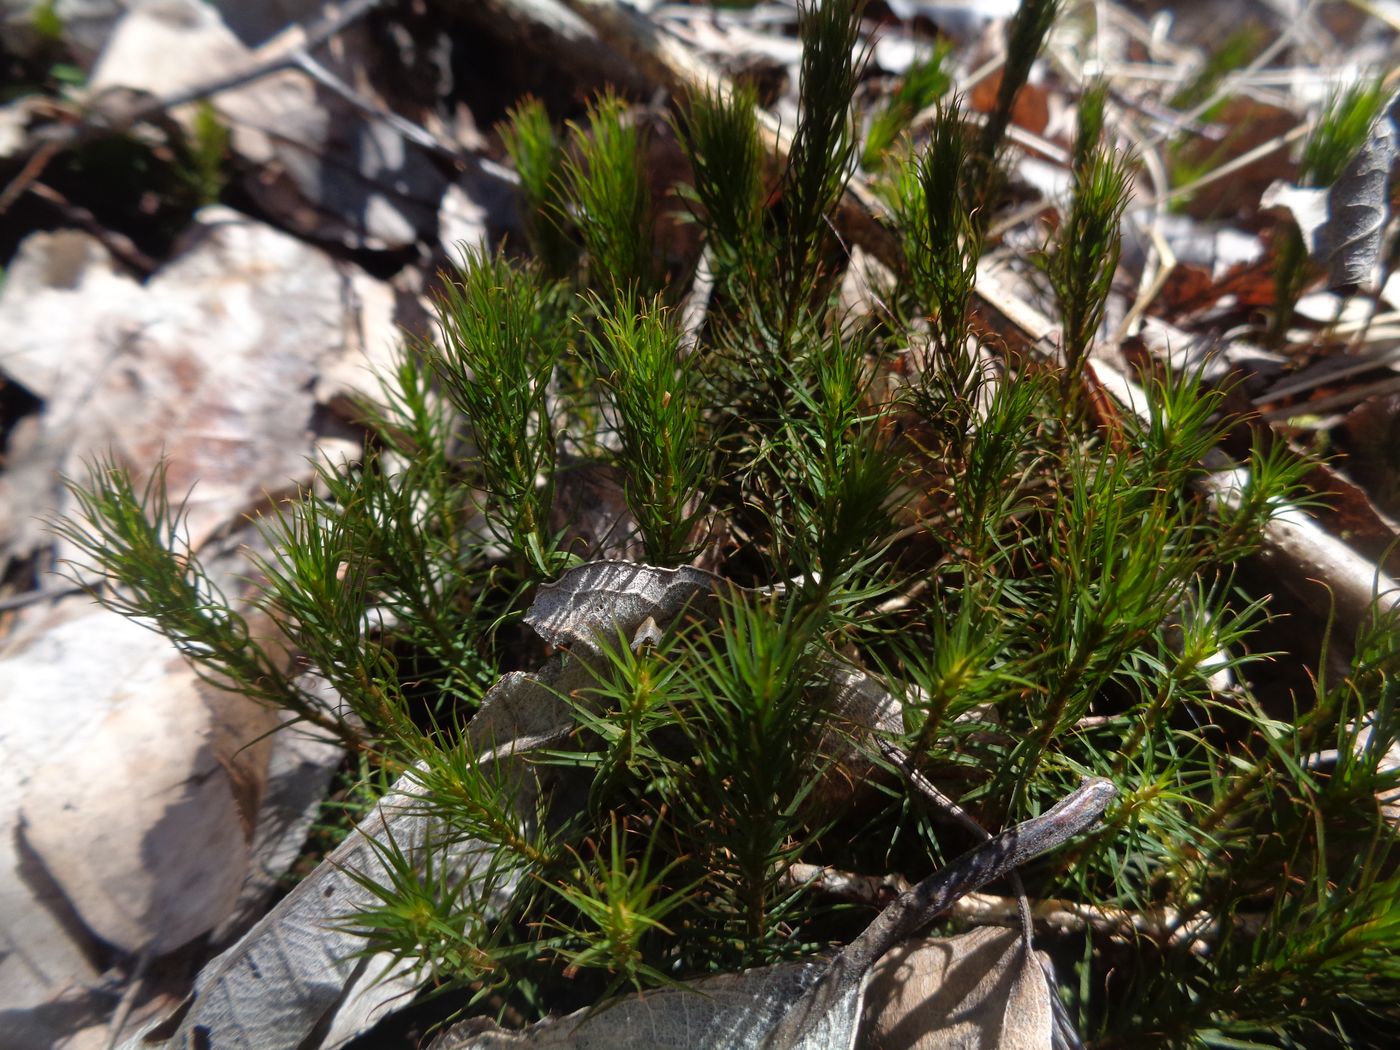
[[1230, 167], [128, 999], [1301, 384], [120, 245], [1345, 399], [963, 819], [696, 307], [993, 859], [408, 130], [1164, 925], [1165, 260], [1231, 82]]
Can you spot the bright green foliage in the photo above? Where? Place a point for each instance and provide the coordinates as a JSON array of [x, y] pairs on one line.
[[1084, 258], [653, 389], [752, 725], [607, 187], [501, 347], [208, 153], [823, 150], [432, 915], [139, 537], [1341, 129], [1044, 597], [924, 83], [942, 242], [621, 902], [721, 139], [45, 20], [837, 503], [538, 156]]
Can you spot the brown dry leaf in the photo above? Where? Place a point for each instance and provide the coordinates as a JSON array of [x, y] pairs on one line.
[[1371, 432], [1031, 109], [217, 361], [977, 991], [590, 512], [1347, 512], [141, 811], [1193, 297], [1188, 288]]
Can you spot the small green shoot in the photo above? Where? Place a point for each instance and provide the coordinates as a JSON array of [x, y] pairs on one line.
[[1084, 258], [923, 84]]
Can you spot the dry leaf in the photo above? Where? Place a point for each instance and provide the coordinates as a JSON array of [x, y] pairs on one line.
[[141, 809], [605, 599], [728, 1012], [976, 991], [216, 361], [315, 163], [1342, 224], [1359, 207]]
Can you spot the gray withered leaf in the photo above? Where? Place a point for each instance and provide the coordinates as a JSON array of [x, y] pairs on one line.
[[1350, 240], [1343, 224]]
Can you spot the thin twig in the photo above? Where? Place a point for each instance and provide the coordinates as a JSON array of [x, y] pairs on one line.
[[1230, 167], [118, 244], [1345, 399], [1230, 84], [410, 131], [1301, 384], [945, 805], [43, 594], [128, 999], [993, 859]]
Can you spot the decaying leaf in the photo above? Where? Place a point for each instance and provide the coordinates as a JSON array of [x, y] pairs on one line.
[[1358, 208], [728, 1012], [597, 601], [970, 992], [1342, 224], [975, 991], [140, 807]]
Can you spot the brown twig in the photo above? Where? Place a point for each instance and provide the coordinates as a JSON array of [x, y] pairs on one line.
[[993, 859], [118, 244]]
